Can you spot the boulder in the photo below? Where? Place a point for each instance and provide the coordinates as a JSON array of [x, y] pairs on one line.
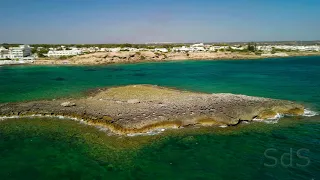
[[68, 104], [133, 101]]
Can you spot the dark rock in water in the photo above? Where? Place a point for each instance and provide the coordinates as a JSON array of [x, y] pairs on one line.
[[115, 69], [279, 136], [90, 70], [139, 74], [110, 167], [59, 79]]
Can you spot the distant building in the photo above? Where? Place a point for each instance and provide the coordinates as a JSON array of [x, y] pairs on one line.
[[4, 53], [161, 50], [20, 52], [113, 49], [197, 45], [72, 52], [188, 49], [15, 52]]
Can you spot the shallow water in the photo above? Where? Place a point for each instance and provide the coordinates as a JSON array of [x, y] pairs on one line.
[[44, 148]]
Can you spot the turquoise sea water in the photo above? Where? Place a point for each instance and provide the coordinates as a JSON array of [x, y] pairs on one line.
[[31, 149]]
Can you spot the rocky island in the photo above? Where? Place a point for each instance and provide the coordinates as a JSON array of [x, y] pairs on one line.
[[143, 108]]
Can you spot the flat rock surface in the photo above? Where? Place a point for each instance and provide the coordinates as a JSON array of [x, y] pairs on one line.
[[139, 106]]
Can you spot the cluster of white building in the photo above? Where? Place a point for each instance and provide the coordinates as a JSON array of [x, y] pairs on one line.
[[22, 52], [267, 48], [289, 48], [64, 52], [200, 47]]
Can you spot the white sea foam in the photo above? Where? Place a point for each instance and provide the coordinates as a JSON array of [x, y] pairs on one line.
[[272, 120], [149, 133], [223, 126], [82, 121], [47, 116], [276, 117], [309, 113], [8, 117]]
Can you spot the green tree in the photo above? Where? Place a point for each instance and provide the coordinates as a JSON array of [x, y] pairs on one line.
[[252, 47], [42, 52], [34, 50]]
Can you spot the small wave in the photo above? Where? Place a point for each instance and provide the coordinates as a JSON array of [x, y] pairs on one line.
[[272, 120], [8, 117], [154, 132], [82, 121], [276, 117], [223, 126], [309, 113]]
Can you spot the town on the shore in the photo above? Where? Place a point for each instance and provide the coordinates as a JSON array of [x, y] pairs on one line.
[[20, 54]]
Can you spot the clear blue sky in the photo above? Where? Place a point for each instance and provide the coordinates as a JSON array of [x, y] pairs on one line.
[[140, 21]]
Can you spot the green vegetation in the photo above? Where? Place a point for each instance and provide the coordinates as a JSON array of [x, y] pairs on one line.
[[220, 44], [42, 52], [258, 53], [142, 58], [157, 54], [6, 45], [6, 59], [65, 57], [34, 51], [252, 47]]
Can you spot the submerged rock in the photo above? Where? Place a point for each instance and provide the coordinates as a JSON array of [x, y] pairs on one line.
[[59, 79]]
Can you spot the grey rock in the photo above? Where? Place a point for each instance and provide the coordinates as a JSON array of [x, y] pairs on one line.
[[68, 104], [133, 101]]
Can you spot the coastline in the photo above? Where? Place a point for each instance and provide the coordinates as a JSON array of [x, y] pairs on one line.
[[108, 58]]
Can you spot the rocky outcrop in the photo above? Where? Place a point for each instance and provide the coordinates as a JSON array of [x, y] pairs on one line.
[[102, 58], [67, 104], [141, 108], [143, 56]]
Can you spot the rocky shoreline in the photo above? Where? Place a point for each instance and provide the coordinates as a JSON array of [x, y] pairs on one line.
[[103, 58], [143, 108]]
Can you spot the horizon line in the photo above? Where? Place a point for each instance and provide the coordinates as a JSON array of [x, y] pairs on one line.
[[146, 43]]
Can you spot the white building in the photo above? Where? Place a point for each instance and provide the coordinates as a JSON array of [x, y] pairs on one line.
[[4, 53], [161, 50], [198, 45], [181, 49], [20, 52], [15, 52], [118, 49], [72, 52], [289, 48]]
